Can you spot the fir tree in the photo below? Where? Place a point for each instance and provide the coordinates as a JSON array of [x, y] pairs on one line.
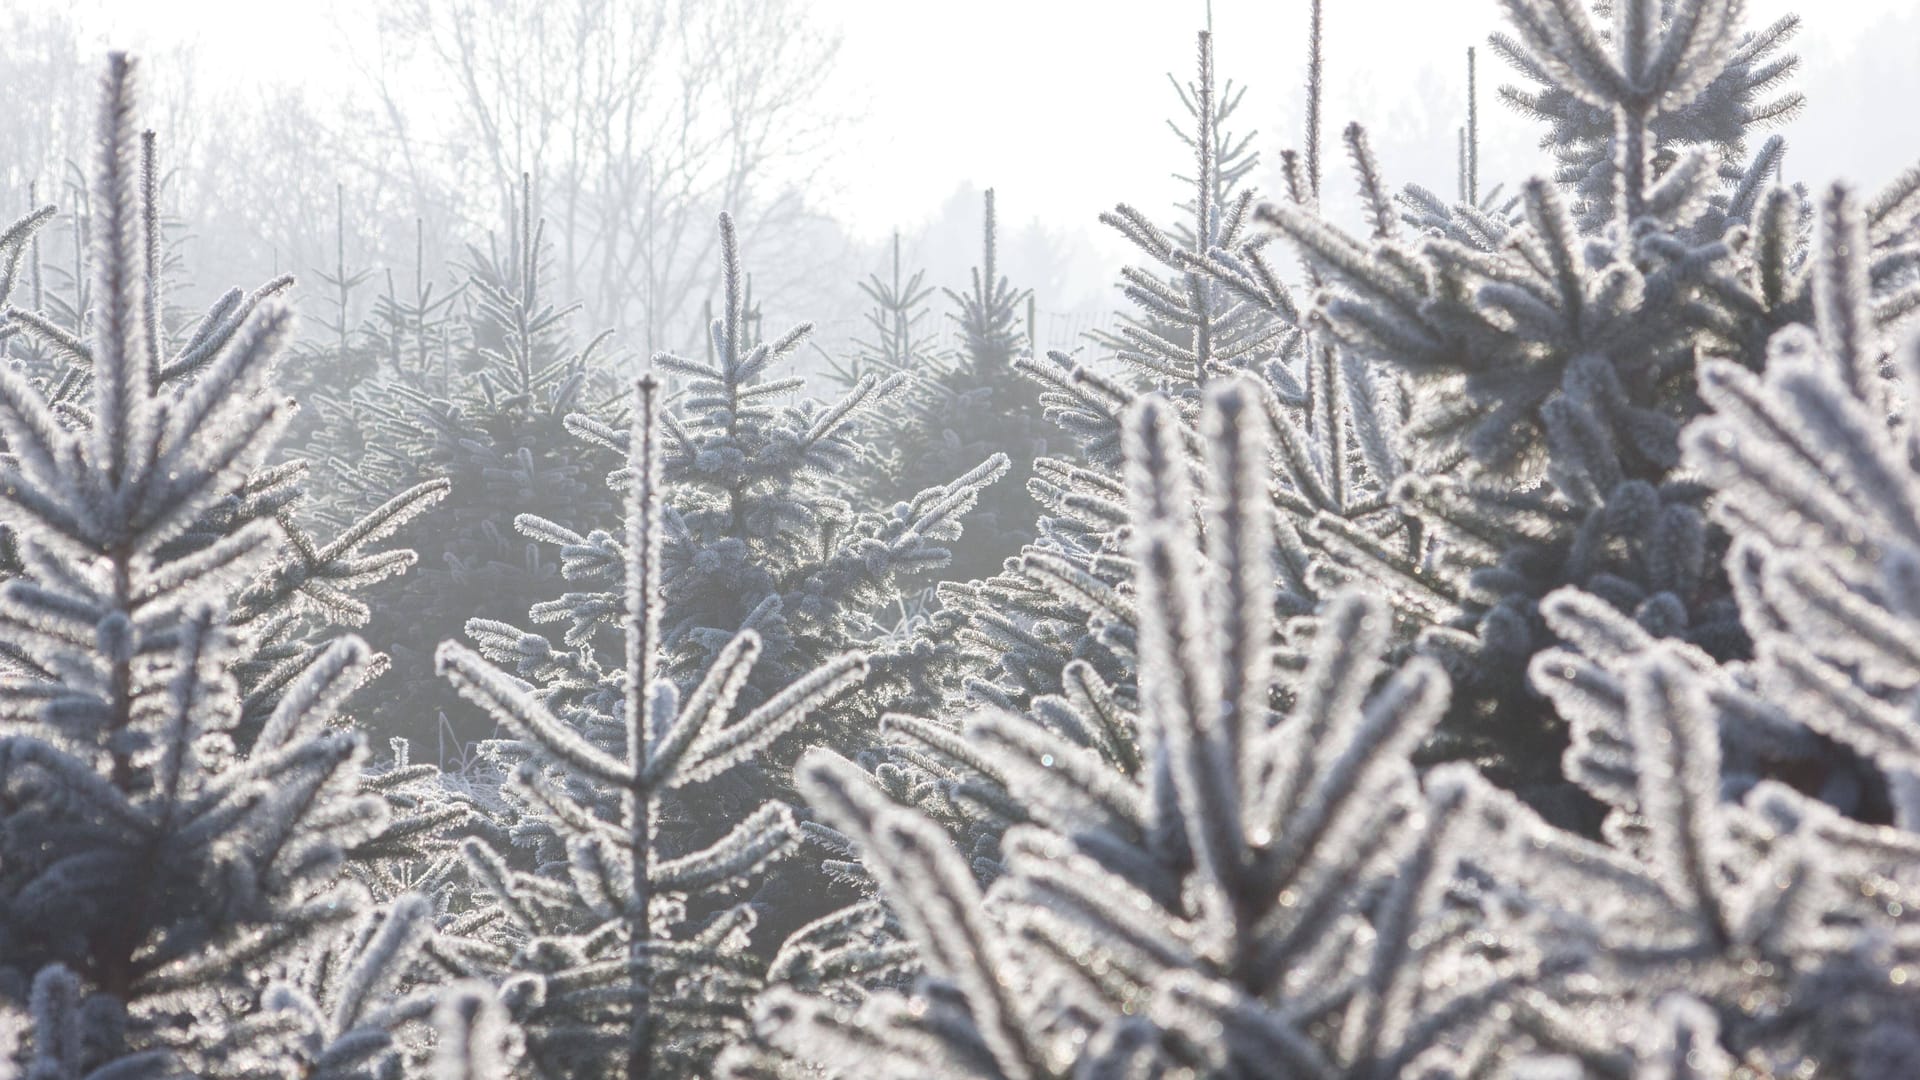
[[645, 960], [363, 383], [178, 804], [472, 394], [900, 340], [1216, 307], [1774, 909], [1190, 328], [1610, 487], [308, 588], [1272, 877], [1676, 101], [756, 562], [755, 538], [1552, 359], [1018, 628], [1722, 921], [962, 407]]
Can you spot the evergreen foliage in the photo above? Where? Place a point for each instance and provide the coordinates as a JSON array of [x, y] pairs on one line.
[[755, 536], [964, 406], [1214, 306], [767, 587], [1552, 357], [470, 391], [1765, 904], [1491, 649], [1684, 922], [646, 969], [181, 806], [899, 342], [1722, 924], [1274, 877], [1020, 627]]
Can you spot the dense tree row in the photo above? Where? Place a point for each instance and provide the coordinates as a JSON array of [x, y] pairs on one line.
[[1479, 642]]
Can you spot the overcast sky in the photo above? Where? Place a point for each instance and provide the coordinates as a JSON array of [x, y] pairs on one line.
[[1060, 103]]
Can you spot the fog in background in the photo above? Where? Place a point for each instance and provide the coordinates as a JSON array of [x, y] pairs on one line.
[[825, 125]]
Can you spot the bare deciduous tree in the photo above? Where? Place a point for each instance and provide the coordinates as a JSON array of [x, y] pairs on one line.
[[640, 119]]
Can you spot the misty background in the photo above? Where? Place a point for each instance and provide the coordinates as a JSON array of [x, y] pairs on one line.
[[386, 137]]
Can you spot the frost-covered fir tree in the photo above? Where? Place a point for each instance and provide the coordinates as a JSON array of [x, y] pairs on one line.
[[960, 406], [1777, 912], [1188, 328], [631, 920], [899, 342], [752, 540], [755, 537], [359, 433], [308, 589], [1021, 626], [1259, 889], [1212, 305], [180, 811], [322, 374], [473, 392], [1613, 484], [1551, 358], [361, 384], [1723, 924], [898, 337]]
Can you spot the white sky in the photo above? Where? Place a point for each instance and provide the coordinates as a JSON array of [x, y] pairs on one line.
[[1059, 103], [948, 91]]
